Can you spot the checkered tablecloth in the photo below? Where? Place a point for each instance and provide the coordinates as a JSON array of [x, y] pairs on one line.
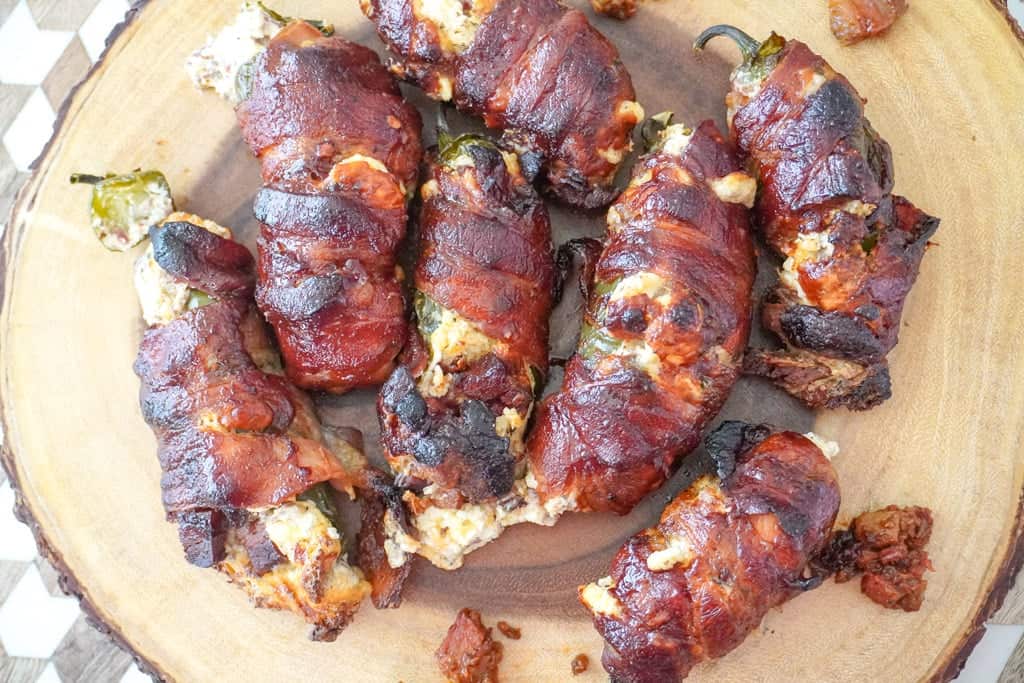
[[46, 47]]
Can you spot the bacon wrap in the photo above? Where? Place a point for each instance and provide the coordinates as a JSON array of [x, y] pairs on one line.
[[853, 249], [615, 431], [535, 68], [486, 256], [230, 436], [339, 147], [728, 550]]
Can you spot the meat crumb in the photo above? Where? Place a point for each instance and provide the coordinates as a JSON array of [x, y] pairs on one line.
[[887, 548], [509, 631], [616, 9], [579, 664], [852, 21], [468, 653]]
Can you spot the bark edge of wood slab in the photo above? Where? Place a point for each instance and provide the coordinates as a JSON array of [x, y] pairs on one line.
[[29, 507]]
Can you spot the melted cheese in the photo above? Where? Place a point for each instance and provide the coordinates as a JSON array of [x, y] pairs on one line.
[[511, 425], [630, 109], [735, 188], [314, 579], [456, 26], [641, 354], [677, 552], [675, 139], [162, 296], [642, 283], [829, 449], [455, 338], [444, 536], [807, 247], [215, 65], [598, 598]]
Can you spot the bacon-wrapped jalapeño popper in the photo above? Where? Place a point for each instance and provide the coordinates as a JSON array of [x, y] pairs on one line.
[[453, 417], [246, 463], [665, 329], [536, 69], [340, 151], [726, 550], [852, 249]]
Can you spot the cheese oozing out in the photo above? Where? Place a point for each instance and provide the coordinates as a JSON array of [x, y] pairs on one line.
[[830, 449], [677, 552], [598, 598], [456, 21], [162, 296], [444, 536], [215, 65], [313, 579]]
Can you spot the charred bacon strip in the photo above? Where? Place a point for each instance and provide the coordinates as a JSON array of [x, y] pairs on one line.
[[854, 20], [339, 150], [725, 551], [852, 249], [535, 68], [453, 417], [664, 333]]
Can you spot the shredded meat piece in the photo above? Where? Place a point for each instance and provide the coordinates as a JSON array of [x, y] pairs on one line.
[[468, 653], [854, 20], [887, 547], [509, 631], [616, 9], [580, 663]]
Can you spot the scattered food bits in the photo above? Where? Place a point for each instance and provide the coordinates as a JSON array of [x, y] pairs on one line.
[[580, 663], [616, 9], [854, 20], [468, 653], [887, 547], [509, 631]]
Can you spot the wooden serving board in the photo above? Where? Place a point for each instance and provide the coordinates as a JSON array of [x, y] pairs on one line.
[[946, 88]]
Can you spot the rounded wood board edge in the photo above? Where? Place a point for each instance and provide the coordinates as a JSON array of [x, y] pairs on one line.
[[1003, 579]]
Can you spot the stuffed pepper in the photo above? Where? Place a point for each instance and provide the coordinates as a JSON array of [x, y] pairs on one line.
[[663, 337], [725, 551], [340, 151], [247, 466], [536, 69], [850, 248], [453, 416]]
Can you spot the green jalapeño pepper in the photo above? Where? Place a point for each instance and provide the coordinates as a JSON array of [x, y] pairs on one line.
[[758, 58], [125, 206], [321, 496], [282, 20]]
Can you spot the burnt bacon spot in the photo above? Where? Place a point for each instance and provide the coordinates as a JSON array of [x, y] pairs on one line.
[[729, 440], [202, 534], [263, 554], [830, 332], [305, 298], [463, 439], [205, 261]]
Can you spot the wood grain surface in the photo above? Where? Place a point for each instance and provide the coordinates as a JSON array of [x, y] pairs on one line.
[[944, 88]]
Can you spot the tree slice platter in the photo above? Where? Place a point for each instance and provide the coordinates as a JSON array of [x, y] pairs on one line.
[[945, 88]]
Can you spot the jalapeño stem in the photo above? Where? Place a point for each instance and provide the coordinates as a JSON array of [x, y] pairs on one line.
[[86, 178], [748, 46], [444, 131], [282, 20]]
